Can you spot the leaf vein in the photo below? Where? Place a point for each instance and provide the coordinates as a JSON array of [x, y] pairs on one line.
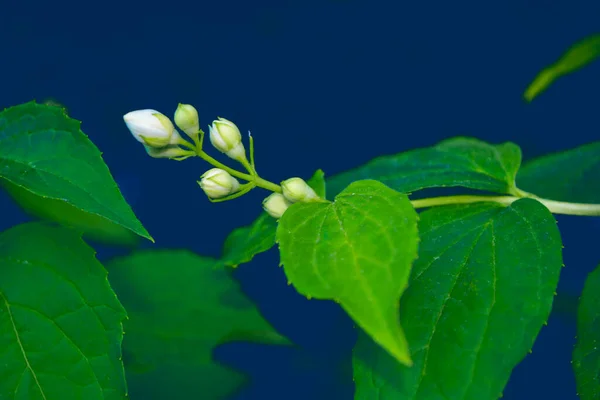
[[25, 358], [442, 308]]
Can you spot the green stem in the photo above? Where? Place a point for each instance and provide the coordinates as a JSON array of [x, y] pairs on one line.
[[556, 207], [258, 181], [251, 139], [248, 167]]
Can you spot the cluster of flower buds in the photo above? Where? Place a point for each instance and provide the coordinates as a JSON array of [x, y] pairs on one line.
[[161, 140], [294, 190]]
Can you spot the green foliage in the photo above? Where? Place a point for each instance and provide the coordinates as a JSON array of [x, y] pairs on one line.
[[244, 243], [466, 162], [586, 356], [317, 182], [578, 56], [450, 323], [60, 322], [50, 166], [479, 293], [357, 251], [461, 161], [180, 307], [572, 175]]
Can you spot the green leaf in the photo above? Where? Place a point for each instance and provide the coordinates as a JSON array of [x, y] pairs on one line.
[[460, 161], [244, 243], [94, 226], [586, 356], [478, 296], [573, 175], [44, 152], [357, 251], [578, 56], [317, 182], [181, 306], [60, 322]]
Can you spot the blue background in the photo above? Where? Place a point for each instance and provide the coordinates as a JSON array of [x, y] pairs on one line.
[[321, 84]]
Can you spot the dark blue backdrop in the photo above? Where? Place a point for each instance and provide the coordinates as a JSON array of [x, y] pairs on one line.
[[321, 84]]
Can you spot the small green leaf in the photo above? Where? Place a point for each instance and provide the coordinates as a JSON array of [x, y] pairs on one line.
[[578, 56], [181, 306], [460, 161], [244, 243], [572, 175], [357, 251], [44, 152], [586, 356], [478, 296], [60, 322], [317, 182]]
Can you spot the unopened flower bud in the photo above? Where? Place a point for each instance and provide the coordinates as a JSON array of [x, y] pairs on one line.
[[226, 137], [296, 190], [275, 205], [217, 183], [186, 118], [151, 128]]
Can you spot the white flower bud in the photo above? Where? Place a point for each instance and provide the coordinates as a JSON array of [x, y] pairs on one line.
[[217, 183], [150, 127], [296, 190], [186, 118], [226, 137], [275, 205]]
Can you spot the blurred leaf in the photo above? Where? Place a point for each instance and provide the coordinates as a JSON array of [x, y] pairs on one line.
[[181, 306], [478, 296], [578, 56], [44, 152], [357, 251], [60, 322], [459, 161], [244, 243], [572, 175], [586, 356]]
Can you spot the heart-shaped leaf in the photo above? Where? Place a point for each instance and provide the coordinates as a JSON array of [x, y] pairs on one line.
[[357, 251]]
